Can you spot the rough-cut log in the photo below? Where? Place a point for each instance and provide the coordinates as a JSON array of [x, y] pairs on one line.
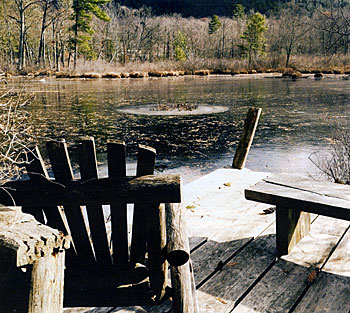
[[182, 289], [250, 124], [178, 251], [184, 298], [39, 250], [156, 245], [145, 189], [23, 240], [46, 292]]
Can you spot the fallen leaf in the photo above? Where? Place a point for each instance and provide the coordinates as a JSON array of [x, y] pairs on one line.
[[221, 300], [231, 264], [312, 276]]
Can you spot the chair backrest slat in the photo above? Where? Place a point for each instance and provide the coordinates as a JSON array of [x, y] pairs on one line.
[[145, 166], [62, 170], [37, 171], [116, 154], [88, 170]]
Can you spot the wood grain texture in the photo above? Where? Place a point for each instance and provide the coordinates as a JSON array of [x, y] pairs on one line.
[[242, 150], [298, 182], [38, 249], [46, 293], [291, 226], [299, 199], [23, 240], [88, 170], [145, 166], [178, 249], [236, 276], [36, 171], [62, 170], [145, 189], [287, 280], [116, 155], [330, 292]]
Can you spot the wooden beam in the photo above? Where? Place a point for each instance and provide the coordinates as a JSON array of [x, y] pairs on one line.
[[145, 189]]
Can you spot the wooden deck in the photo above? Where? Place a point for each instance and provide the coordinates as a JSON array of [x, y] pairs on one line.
[[234, 255]]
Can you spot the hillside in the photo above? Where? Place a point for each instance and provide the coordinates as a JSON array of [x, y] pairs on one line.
[[201, 8]]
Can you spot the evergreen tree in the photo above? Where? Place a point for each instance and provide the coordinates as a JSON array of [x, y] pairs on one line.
[[214, 24], [238, 12], [254, 37], [82, 31], [181, 47]]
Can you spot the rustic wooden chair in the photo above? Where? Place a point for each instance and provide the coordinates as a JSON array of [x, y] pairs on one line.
[[99, 271]]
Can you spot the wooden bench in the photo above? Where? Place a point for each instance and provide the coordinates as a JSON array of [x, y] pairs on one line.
[[31, 264], [103, 271], [295, 197]]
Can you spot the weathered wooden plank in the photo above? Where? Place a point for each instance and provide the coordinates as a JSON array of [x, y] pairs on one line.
[[145, 189], [298, 182], [88, 170], [196, 242], [210, 257], [302, 200], [116, 155], [145, 166], [36, 170], [88, 310], [291, 226], [330, 291], [62, 169], [287, 280], [250, 124], [235, 278]]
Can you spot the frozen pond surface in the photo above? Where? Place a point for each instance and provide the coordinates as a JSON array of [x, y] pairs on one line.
[[298, 118]]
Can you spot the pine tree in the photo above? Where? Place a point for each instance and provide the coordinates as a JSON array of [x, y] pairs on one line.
[[82, 31], [254, 36], [214, 24]]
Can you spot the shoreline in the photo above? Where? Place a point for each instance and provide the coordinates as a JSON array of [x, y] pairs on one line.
[[165, 74]]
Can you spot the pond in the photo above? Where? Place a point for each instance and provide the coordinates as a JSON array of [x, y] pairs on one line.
[[298, 118]]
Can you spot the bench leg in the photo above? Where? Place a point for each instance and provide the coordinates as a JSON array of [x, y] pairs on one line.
[[291, 227]]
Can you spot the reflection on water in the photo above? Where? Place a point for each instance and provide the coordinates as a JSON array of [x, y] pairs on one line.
[[297, 119]]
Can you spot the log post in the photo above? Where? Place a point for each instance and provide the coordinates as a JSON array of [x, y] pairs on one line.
[[184, 297], [250, 124], [31, 264]]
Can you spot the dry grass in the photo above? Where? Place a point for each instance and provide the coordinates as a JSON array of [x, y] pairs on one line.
[[337, 64]]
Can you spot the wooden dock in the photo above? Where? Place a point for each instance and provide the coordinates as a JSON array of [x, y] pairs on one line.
[[233, 245]]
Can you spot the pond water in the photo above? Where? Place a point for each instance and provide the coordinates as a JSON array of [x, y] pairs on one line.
[[298, 118]]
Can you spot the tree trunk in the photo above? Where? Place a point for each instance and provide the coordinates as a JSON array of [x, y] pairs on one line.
[[41, 53], [76, 9], [21, 55]]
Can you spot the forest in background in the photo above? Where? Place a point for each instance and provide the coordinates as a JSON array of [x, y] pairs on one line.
[[99, 35]]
